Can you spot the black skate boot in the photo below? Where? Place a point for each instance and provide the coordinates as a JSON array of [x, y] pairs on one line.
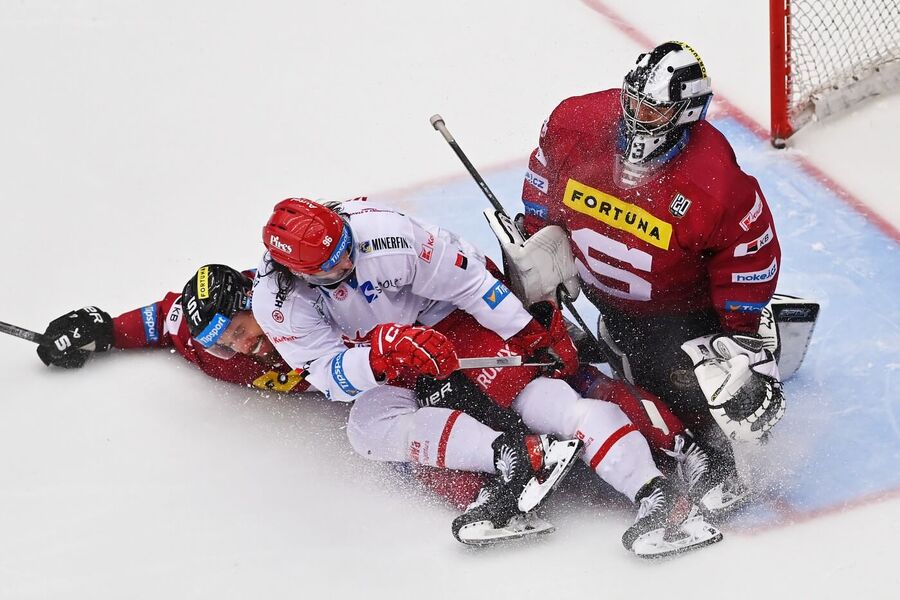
[[667, 523], [528, 469], [711, 478]]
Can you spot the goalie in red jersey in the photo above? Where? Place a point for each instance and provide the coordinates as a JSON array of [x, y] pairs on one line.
[[676, 247]]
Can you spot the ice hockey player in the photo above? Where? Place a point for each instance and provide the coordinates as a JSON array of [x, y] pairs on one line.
[[244, 355], [367, 273], [676, 246]]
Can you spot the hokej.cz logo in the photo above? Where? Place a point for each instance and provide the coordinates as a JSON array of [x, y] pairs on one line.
[[148, 317], [537, 181], [209, 336], [340, 377], [743, 306], [495, 295], [766, 274]]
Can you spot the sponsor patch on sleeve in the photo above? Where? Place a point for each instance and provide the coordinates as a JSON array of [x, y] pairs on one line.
[[766, 274], [340, 377], [149, 316], [537, 181], [494, 296], [754, 246], [537, 210], [753, 215], [743, 306]]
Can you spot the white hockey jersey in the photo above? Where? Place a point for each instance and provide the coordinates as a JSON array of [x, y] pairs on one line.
[[407, 272]]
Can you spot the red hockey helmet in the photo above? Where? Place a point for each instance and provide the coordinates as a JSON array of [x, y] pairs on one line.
[[309, 239]]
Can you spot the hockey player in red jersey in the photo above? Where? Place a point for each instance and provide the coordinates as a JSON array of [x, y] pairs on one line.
[[677, 248], [248, 358]]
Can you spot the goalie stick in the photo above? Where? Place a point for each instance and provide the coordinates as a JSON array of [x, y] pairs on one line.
[[562, 294]]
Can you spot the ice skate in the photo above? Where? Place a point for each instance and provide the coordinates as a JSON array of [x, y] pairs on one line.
[[667, 523]]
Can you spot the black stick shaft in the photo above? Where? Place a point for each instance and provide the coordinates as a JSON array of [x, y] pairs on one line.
[[21, 332], [438, 123]]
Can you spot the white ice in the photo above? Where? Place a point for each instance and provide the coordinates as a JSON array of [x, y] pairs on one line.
[[141, 139]]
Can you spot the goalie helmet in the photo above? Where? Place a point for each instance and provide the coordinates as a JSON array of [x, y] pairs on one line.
[[310, 239], [210, 300], [666, 91]]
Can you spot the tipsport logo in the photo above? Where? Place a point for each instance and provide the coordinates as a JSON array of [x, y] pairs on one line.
[[495, 295], [148, 318], [214, 330]]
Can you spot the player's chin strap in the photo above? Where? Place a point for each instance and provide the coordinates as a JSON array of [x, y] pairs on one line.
[[741, 382]]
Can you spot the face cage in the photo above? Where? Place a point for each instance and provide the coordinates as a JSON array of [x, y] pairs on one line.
[[657, 126]]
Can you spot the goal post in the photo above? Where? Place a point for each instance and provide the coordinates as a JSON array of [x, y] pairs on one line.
[[827, 55]]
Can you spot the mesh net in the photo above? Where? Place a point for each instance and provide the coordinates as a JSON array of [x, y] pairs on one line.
[[836, 45]]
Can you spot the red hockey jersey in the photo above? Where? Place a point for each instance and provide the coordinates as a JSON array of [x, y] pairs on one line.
[[697, 235], [161, 325]]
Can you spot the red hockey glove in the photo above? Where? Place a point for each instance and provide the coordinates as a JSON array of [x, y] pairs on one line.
[[547, 333], [419, 349]]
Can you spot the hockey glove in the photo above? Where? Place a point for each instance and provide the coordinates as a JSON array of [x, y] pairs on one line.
[[740, 380], [546, 336], [419, 349], [72, 337]]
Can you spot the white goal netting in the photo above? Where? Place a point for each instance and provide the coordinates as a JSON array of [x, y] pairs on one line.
[[841, 51]]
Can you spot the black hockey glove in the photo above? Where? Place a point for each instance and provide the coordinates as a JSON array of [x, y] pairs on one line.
[[72, 337]]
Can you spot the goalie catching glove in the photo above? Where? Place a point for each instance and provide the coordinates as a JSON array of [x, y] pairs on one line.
[[740, 380], [422, 350], [72, 337]]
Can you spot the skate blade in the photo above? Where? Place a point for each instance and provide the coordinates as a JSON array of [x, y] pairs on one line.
[[719, 505], [693, 534], [484, 533], [562, 456]]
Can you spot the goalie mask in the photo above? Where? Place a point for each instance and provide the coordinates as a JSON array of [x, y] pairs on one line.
[[666, 91]]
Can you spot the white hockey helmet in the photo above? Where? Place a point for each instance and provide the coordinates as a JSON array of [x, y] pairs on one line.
[[664, 92]]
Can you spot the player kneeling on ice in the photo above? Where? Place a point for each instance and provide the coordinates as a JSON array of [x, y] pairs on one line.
[[677, 248], [367, 273]]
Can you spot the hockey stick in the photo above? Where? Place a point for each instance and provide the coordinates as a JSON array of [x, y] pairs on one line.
[[498, 362], [25, 334], [562, 294]]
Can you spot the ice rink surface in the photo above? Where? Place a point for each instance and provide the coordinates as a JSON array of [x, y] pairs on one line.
[[143, 139]]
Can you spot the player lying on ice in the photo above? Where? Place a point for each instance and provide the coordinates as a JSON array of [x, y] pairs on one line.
[[359, 272], [241, 355]]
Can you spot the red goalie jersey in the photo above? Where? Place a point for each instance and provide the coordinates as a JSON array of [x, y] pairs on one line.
[[696, 235]]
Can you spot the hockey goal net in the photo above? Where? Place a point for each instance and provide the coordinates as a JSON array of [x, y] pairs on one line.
[[827, 55]]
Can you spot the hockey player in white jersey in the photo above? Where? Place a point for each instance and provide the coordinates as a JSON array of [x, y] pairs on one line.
[[358, 273]]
